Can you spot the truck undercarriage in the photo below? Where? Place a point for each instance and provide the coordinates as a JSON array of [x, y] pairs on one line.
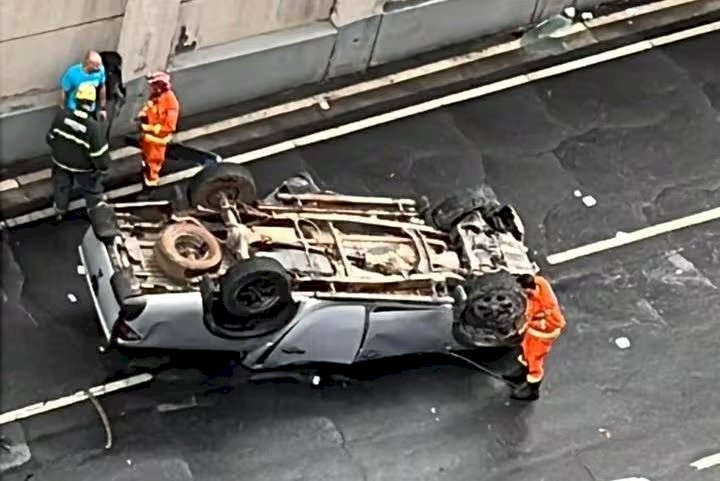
[[255, 256]]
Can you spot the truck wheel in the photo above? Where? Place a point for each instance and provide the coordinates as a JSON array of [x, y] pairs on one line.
[[257, 287], [494, 311], [233, 180], [448, 212], [187, 250]]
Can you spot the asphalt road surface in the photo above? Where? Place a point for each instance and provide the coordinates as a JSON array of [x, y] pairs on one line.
[[641, 135]]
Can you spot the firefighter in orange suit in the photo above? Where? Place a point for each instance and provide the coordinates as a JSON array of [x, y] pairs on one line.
[[544, 324], [158, 121]]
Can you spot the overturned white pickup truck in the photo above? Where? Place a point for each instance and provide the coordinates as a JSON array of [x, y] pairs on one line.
[[306, 276]]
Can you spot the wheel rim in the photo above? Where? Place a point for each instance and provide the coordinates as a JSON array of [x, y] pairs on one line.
[[192, 247], [257, 295]]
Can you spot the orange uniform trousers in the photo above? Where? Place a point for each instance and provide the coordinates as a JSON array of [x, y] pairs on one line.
[[153, 155], [160, 119], [534, 352]]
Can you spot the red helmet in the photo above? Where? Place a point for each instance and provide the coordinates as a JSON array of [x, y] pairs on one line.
[[159, 78]]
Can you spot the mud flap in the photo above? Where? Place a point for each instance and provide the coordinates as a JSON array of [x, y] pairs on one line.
[[104, 223], [128, 295]]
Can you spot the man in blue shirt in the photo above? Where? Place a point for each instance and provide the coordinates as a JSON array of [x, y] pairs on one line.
[[92, 71]]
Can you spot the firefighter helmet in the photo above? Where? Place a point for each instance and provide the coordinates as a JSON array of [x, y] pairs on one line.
[[86, 92], [159, 78]]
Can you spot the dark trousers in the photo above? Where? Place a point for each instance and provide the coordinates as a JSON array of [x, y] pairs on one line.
[[89, 183]]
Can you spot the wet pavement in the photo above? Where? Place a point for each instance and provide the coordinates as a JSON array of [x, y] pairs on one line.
[[641, 135]]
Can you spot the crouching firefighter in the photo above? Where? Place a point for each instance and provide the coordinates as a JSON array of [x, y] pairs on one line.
[[544, 322], [80, 153], [158, 121]]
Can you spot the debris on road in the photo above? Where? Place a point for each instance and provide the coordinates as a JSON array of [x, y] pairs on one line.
[[589, 201], [324, 104], [71, 297], [577, 193], [433, 410], [622, 342], [170, 407], [103, 417], [605, 432], [587, 16], [14, 451], [81, 270]]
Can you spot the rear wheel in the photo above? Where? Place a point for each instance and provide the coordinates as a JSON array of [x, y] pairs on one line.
[[210, 185], [493, 313], [256, 288], [187, 250], [448, 212]]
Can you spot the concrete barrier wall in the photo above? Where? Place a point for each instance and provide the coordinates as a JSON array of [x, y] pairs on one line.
[[223, 51]]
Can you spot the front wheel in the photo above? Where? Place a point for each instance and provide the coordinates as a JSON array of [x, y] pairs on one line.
[[493, 312]]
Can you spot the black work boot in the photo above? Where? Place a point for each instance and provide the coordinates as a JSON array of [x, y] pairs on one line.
[[527, 391], [58, 217], [517, 375]]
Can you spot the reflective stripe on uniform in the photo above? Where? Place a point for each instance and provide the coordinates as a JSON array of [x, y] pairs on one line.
[[544, 335], [157, 140], [68, 168], [100, 151], [67, 136], [533, 379]]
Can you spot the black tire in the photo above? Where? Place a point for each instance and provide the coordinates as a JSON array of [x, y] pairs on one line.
[[234, 180], [495, 309], [448, 212], [255, 288]]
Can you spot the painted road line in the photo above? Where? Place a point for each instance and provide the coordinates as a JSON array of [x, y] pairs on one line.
[[689, 33], [631, 237], [632, 479], [406, 112], [43, 407], [706, 462]]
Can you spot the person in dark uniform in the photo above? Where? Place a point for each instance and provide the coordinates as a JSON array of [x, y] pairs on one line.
[[80, 152]]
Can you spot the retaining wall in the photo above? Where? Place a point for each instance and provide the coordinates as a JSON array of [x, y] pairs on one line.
[[222, 52]]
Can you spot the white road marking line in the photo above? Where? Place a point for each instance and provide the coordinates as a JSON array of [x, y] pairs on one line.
[[632, 479], [635, 236], [43, 407], [706, 462], [406, 112], [689, 33]]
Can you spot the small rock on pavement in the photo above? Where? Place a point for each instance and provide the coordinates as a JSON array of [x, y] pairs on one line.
[[577, 193], [622, 342], [71, 297], [172, 469], [589, 201], [14, 451]]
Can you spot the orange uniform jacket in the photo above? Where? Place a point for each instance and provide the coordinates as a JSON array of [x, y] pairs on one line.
[[544, 323], [545, 320], [161, 117]]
